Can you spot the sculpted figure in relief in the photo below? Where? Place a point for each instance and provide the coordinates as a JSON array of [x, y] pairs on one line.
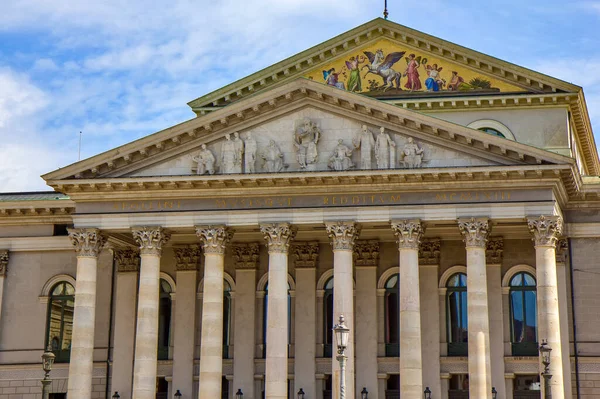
[[239, 152], [272, 158], [306, 138], [250, 155], [385, 150], [364, 140], [205, 160], [340, 158], [413, 155], [228, 155]]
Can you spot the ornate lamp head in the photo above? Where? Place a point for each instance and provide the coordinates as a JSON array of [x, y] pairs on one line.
[[116, 395], [239, 394], [427, 393], [494, 393], [178, 395], [364, 394], [545, 352], [301, 394], [48, 359], [342, 333]]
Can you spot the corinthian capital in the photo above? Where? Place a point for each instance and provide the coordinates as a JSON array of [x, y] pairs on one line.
[[409, 233], [475, 231], [87, 242], [545, 229], [246, 256], [128, 260], [278, 236], [214, 238], [150, 239], [187, 257], [3, 262], [306, 254], [343, 234]]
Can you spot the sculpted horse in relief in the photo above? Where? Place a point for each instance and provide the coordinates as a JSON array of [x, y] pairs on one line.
[[383, 67]]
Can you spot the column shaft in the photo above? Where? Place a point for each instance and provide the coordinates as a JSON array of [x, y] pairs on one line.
[[214, 239], [185, 318], [304, 360], [475, 232], [88, 243], [151, 240], [366, 329], [278, 237], [3, 269]]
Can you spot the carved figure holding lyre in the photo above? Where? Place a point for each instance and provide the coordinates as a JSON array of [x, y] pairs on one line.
[[413, 155], [306, 138], [205, 161]]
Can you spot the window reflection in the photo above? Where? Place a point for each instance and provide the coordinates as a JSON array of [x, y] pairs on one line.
[[523, 308], [60, 320], [456, 315]]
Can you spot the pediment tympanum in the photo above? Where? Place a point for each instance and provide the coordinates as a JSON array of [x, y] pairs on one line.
[[391, 68], [311, 139]]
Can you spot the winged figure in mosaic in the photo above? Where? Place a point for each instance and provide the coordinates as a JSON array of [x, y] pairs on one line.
[[383, 67]]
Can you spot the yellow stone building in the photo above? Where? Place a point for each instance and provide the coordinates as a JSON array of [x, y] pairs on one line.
[[447, 203]]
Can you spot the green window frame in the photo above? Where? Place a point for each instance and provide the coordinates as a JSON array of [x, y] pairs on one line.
[[523, 314], [227, 312], [59, 324], [328, 318], [164, 319], [392, 316]]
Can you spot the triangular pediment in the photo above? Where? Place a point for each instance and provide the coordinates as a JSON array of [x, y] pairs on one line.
[[462, 69], [274, 115]]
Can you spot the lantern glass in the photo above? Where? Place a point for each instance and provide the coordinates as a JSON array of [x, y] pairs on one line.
[[342, 333], [116, 395], [301, 394], [364, 394], [178, 394], [427, 393], [545, 351], [48, 359], [494, 393], [239, 394]]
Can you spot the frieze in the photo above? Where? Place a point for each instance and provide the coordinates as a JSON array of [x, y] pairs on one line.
[[246, 256], [128, 260], [429, 251], [3, 262], [187, 257], [366, 253], [494, 251], [245, 202], [306, 254]]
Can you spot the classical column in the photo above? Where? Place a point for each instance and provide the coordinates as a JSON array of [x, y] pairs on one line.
[[128, 266], [429, 260], [343, 235], [214, 239], [246, 260], [306, 258], [475, 232], [278, 236], [3, 270], [409, 234], [366, 260], [562, 249], [545, 231], [186, 275], [494, 254], [88, 243], [150, 240]]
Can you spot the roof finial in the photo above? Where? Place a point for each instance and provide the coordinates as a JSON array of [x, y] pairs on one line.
[[385, 11]]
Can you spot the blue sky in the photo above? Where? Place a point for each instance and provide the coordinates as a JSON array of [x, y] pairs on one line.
[[120, 70]]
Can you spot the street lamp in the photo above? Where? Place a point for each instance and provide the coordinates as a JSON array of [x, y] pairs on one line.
[[494, 393], [239, 394], [178, 395], [47, 362], [301, 394], [364, 394], [427, 393], [342, 333], [545, 354], [116, 395]]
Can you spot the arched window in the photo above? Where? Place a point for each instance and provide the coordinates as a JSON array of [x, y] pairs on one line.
[[164, 319], [523, 311], [226, 318], [328, 318], [456, 314], [491, 131], [60, 320], [392, 316], [265, 312], [492, 127]]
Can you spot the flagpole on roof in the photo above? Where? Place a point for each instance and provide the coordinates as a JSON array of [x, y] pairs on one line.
[[385, 10], [79, 146]]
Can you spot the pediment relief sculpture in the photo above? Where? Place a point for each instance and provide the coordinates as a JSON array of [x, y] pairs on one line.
[[272, 158], [205, 161], [306, 138], [340, 157], [412, 155]]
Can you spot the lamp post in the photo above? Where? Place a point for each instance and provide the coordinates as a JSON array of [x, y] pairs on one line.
[[341, 335], [427, 393], [178, 395], [47, 362], [301, 394], [545, 354], [239, 394], [116, 395], [364, 394]]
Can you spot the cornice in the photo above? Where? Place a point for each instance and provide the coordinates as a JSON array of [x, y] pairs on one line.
[[42, 212], [365, 34], [298, 94]]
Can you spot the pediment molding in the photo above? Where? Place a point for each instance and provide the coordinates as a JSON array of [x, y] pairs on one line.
[[368, 33], [189, 135]]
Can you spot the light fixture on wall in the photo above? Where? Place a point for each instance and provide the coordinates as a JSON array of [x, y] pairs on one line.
[[47, 362], [116, 395], [301, 394], [427, 393], [239, 394], [494, 393], [178, 395], [364, 394]]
